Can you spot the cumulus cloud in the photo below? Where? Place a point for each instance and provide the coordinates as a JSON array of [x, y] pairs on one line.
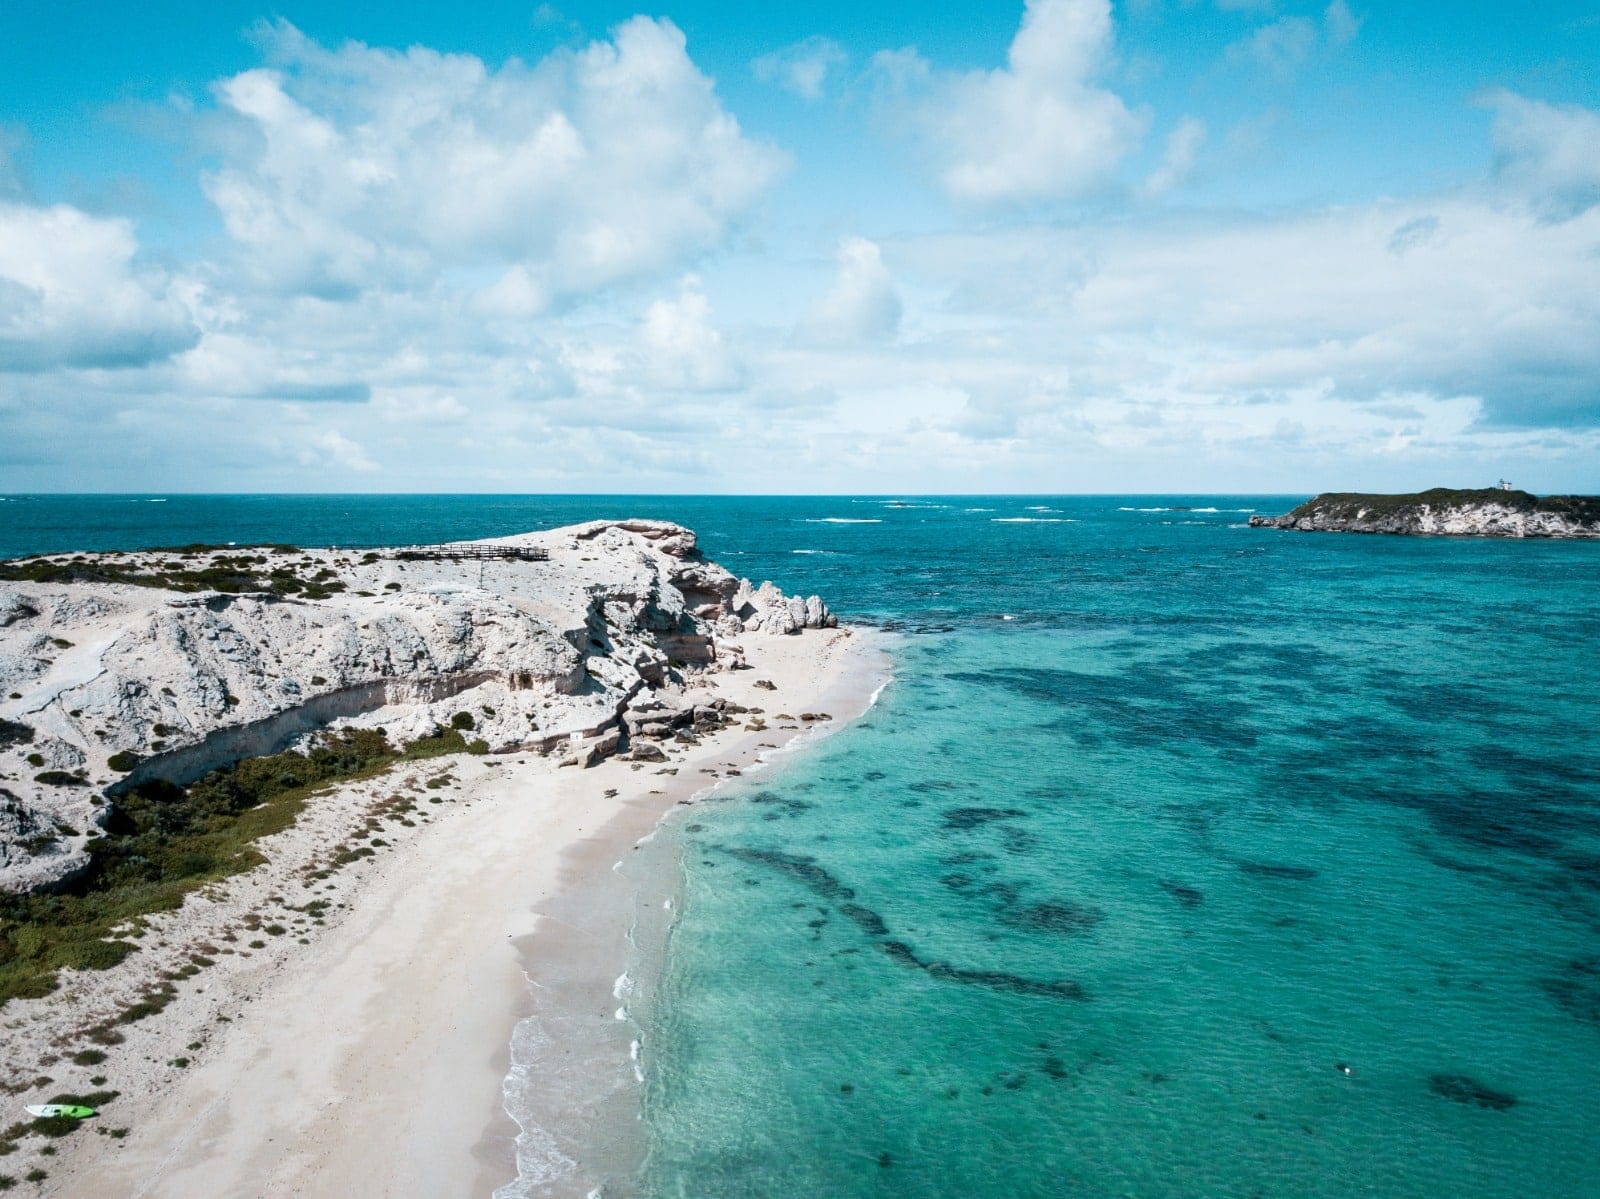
[[802, 68], [1178, 159], [361, 167], [332, 448], [682, 347], [1282, 47], [861, 306], [72, 295], [1548, 153], [1041, 127]]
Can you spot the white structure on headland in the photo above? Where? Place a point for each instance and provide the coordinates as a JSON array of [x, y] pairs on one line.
[[1503, 485]]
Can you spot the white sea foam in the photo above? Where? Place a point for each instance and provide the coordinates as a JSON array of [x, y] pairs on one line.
[[843, 520], [977, 509], [1041, 508], [539, 1160], [1031, 520], [827, 553]]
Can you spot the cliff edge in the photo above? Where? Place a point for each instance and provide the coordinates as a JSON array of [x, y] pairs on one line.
[[122, 669]]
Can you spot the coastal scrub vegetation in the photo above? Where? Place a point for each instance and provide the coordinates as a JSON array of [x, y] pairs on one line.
[[274, 569], [163, 841]]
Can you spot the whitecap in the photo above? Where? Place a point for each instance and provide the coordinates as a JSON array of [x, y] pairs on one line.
[[843, 520], [1031, 520]]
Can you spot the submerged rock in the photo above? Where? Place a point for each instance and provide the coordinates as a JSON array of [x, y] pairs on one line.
[[1463, 1088]]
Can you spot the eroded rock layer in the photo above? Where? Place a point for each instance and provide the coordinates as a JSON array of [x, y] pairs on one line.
[[119, 669]]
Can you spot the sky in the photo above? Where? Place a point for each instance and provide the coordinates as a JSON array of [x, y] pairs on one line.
[[1182, 246]]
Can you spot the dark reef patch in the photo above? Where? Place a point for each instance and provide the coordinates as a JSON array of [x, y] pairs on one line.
[[782, 805], [1462, 1088], [797, 866], [805, 870], [965, 819], [1277, 870], [1576, 990], [997, 980], [1189, 897], [869, 921], [965, 859], [1054, 916]]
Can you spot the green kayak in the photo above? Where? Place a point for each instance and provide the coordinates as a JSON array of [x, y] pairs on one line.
[[61, 1109]]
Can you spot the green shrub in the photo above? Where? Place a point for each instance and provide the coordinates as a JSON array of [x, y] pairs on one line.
[[463, 722], [88, 1057], [163, 841], [123, 761], [96, 955], [59, 778]]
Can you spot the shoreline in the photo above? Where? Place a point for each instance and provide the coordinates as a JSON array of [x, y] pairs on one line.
[[371, 1060], [579, 960]]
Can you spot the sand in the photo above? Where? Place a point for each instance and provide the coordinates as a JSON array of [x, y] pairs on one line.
[[370, 1061]]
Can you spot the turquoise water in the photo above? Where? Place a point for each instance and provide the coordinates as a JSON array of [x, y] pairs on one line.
[[1234, 863], [1180, 859]]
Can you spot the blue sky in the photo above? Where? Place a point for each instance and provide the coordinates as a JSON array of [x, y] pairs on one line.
[[1176, 245]]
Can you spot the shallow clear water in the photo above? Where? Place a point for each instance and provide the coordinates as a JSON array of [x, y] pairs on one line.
[[1105, 898], [1163, 822]]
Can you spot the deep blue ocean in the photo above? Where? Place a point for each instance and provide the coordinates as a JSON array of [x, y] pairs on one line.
[[1180, 859]]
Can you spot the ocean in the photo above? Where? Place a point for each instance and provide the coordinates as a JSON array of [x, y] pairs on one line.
[[1179, 859]]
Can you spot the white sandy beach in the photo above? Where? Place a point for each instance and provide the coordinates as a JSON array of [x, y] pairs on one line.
[[370, 1061]]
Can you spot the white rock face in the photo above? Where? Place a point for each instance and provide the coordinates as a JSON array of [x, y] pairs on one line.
[[534, 651]]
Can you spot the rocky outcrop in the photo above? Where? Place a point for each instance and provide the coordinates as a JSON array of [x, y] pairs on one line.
[[105, 685], [1488, 512], [765, 609]]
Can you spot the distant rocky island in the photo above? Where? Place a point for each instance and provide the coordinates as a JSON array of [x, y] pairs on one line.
[[1445, 512]]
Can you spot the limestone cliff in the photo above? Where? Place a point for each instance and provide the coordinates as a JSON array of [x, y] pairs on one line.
[[1487, 512], [119, 669]]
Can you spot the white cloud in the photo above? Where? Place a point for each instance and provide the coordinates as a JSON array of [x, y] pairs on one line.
[[1279, 48], [1039, 128], [1282, 47], [802, 68], [332, 448], [1341, 24], [71, 294], [1548, 153], [360, 167], [861, 306], [1178, 159], [682, 347]]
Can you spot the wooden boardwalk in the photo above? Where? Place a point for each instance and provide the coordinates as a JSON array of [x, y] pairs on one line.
[[474, 553]]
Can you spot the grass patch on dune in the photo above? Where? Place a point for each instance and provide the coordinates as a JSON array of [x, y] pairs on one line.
[[163, 841]]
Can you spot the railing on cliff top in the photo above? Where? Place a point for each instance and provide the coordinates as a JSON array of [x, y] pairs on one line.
[[474, 553]]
